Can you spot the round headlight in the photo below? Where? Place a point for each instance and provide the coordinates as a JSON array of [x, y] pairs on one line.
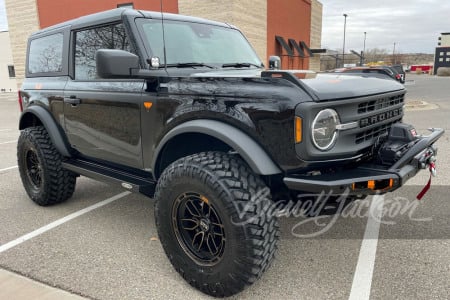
[[324, 132]]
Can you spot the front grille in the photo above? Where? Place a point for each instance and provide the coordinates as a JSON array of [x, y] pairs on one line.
[[384, 111], [374, 105], [373, 133], [370, 118]]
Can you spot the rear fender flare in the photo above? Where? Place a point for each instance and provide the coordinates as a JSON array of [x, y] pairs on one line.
[[53, 129]]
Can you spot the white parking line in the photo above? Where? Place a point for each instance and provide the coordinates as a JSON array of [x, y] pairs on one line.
[[9, 168], [8, 142], [56, 223], [2, 130], [362, 280]]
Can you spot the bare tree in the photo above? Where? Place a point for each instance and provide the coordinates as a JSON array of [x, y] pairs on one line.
[[376, 55], [50, 59], [91, 40]]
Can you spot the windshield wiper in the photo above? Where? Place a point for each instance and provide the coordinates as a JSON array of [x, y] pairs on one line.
[[188, 65], [240, 65]]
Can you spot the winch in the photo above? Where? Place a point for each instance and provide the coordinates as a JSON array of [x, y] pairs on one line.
[[400, 139]]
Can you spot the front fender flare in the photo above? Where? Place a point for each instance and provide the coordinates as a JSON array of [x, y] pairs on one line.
[[50, 125], [252, 153]]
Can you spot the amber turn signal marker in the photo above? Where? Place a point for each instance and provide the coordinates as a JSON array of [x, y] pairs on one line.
[[148, 105], [374, 185], [298, 129]]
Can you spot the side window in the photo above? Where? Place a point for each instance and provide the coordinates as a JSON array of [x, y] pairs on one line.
[[87, 42], [46, 54]]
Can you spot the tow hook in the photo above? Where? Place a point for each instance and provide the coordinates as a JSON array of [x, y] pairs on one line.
[[429, 161]]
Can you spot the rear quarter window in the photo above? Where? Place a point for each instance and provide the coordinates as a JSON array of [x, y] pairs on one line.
[[46, 54]]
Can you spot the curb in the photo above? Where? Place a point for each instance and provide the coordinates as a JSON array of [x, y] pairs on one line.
[[17, 287], [414, 105]]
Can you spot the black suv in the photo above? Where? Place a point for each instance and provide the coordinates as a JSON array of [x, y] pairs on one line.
[[375, 72], [180, 109]]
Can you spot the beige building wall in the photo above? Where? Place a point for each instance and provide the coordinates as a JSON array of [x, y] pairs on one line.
[[445, 40], [6, 83], [22, 21], [316, 34], [249, 16]]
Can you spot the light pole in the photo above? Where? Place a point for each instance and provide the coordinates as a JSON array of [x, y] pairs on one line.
[[343, 46], [393, 54], [364, 49]]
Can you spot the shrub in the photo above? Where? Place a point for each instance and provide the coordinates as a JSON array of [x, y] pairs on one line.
[[443, 71]]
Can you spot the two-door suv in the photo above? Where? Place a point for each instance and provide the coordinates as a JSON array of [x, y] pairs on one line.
[[181, 109]]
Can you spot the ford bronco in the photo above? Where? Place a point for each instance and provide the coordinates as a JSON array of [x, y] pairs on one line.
[[182, 110]]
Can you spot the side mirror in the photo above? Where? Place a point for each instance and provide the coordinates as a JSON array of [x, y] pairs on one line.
[[274, 63], [113, 63]]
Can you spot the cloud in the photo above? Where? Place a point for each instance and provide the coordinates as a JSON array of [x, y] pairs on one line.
[[414, 25]]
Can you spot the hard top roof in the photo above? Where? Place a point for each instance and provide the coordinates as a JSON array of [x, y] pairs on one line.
[[115, 15]]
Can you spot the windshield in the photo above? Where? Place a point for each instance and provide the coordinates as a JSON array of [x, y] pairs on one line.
[[197, 45]]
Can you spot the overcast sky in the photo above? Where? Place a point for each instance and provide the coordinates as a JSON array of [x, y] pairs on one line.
[[3, 22], [414, 25]]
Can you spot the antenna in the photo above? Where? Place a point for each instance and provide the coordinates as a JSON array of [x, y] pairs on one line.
[[163, 33]]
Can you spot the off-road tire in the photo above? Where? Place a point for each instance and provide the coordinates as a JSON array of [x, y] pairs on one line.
[[227, 186], [54, 184]]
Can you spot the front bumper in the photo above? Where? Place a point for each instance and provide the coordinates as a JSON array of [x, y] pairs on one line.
[[368, 178]]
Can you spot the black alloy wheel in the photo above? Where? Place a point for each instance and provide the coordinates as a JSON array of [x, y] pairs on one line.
[[215, 229], [40, 166], [198, 228]]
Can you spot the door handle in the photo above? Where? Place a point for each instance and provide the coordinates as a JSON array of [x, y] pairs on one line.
[[72, 100]]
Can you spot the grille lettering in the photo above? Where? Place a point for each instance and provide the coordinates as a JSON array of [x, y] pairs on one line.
[[380, 117]]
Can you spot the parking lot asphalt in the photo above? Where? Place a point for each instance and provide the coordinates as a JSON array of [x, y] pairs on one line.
[[112, 252]]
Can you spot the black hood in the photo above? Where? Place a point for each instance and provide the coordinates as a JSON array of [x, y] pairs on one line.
[[322, 87], [336, 86]]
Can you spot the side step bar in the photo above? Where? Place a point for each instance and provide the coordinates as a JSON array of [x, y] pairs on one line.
[[134, 183]]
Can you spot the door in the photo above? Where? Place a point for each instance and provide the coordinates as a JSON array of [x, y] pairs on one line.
[[102, 116]]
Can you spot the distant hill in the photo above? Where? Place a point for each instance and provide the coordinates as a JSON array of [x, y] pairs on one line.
[[328, 62]]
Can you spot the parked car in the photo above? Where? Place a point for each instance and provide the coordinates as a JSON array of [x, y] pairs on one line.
[[397, 75], [180, 109], [388, 71], [359, 73], [401, 71]]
